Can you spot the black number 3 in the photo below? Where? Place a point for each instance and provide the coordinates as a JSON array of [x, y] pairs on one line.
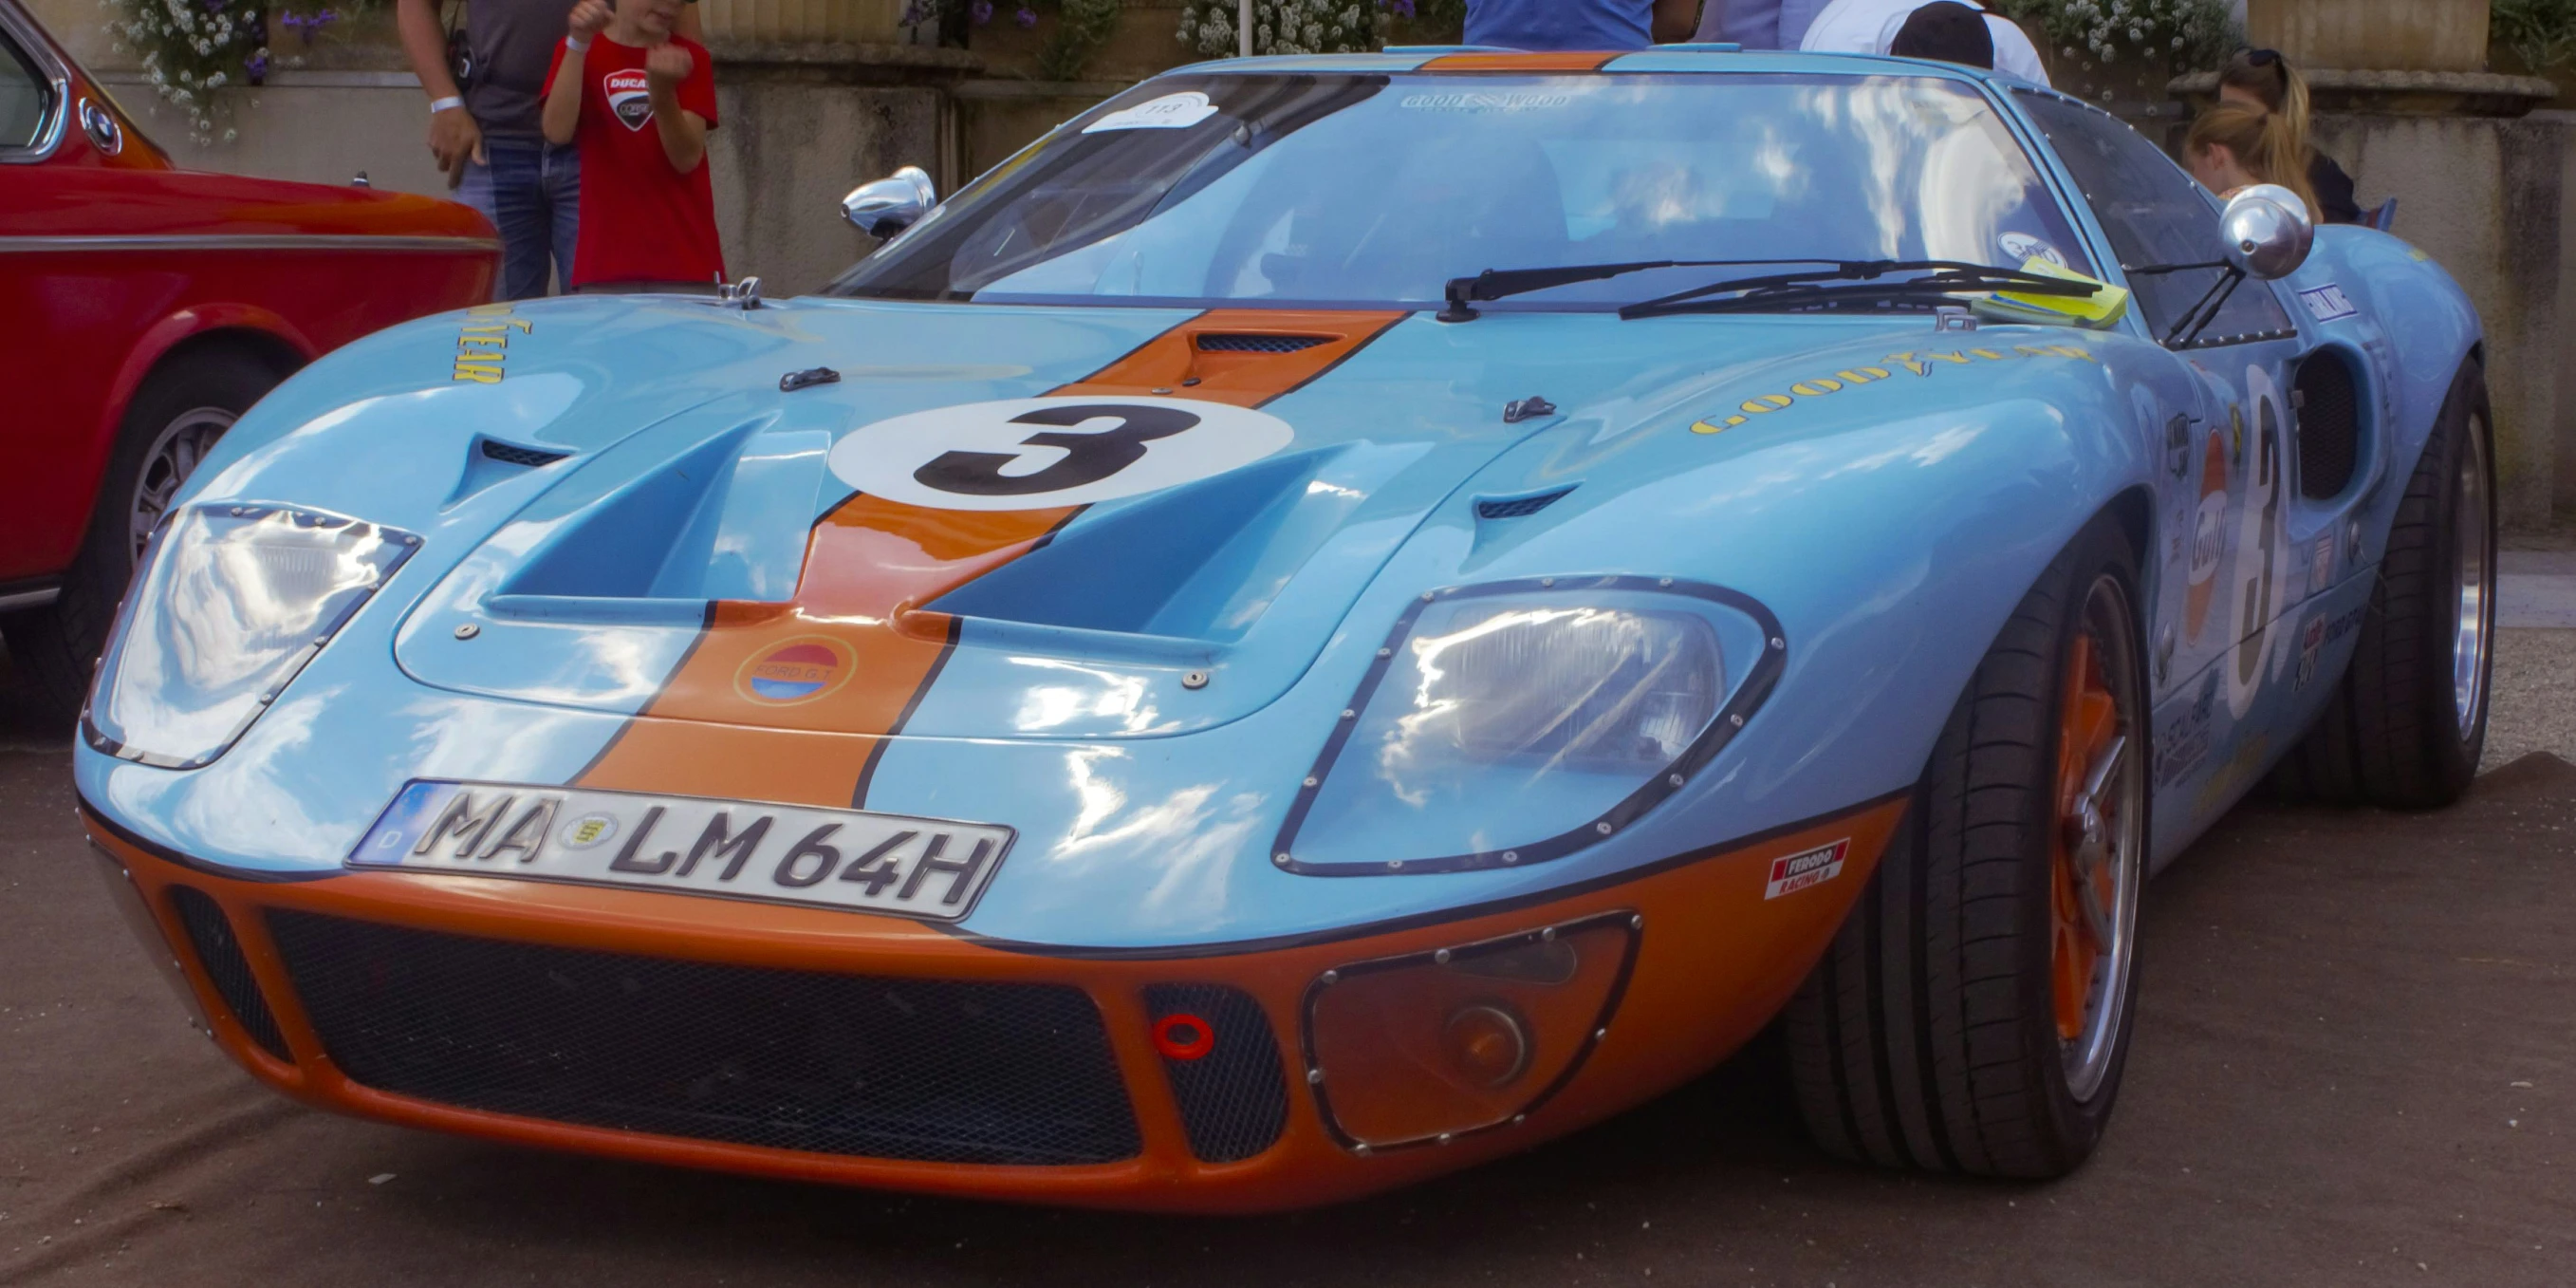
[[1090, 457]]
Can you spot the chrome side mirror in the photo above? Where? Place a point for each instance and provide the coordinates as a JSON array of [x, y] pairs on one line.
[[2268, 231], [890, 205]]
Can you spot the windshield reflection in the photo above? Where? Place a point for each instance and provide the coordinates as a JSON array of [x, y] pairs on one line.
[[1368, 190]]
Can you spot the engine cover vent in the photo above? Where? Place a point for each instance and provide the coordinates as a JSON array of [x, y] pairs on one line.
[[1513, 507], [2329, 420], [511, 454], [1237, 342]]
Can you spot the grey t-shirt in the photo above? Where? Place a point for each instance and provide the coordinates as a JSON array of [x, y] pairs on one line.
[[513, 43]]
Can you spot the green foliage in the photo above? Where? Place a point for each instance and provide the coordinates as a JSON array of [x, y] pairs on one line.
[[2539, 32], [2175, 35], [1083, 27], [1285, 26], [191, 48]]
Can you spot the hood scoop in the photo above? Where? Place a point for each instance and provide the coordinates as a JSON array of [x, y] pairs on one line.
[[1201, 562], [1254, 342]]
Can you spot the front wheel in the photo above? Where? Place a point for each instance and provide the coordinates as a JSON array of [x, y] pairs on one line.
[[1974, 1012]]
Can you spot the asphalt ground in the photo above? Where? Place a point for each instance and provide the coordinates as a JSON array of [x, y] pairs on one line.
[[2355, 1064]]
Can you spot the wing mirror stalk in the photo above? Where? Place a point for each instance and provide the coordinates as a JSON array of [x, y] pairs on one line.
[[889, 205]]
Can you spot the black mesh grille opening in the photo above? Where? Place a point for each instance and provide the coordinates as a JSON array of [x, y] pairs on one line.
[[1518, 506], [210, 933], [2329, 427], [926, 1070], [510, 455], [1234, 1100], [1230, 343]]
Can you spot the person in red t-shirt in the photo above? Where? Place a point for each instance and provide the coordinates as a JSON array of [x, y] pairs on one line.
[[640, 100]]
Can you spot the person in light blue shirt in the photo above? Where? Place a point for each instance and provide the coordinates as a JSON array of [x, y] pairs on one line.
[[1572, 25], [1759, 24]]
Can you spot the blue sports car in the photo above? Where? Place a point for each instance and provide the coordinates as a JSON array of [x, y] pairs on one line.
[[1333, 618]]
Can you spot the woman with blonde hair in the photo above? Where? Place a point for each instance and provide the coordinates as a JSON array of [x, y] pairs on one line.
[[2264, 80], [2231, 146]]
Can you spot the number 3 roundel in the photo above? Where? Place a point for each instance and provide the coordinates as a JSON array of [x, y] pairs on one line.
[[1037, 453]]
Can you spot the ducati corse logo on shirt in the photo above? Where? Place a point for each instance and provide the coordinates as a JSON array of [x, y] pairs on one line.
[[629, 95]]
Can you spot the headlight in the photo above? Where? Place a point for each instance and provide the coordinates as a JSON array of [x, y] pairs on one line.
[[1518, 722], [231, 603]]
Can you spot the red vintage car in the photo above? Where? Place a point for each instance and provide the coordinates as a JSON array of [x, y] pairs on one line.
[[147, 307]]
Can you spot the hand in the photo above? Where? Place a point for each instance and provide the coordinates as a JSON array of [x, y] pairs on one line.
[[589, 18], [454, 139], [666, 64]]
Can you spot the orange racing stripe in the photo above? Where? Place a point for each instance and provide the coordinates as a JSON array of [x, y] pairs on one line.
[[1542, 62], [855, 637]]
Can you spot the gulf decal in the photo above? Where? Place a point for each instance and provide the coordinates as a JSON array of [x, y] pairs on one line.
[[1540, 62], [2254, 582], [764, 705], [1920, 363], [2208, 537]]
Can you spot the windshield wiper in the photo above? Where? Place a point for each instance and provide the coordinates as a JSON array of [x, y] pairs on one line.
[[1464, 293], [1858, 280]]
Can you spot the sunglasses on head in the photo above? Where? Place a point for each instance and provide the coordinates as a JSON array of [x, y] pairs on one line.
[[2262, 57]]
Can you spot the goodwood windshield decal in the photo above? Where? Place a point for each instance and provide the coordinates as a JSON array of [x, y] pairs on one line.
[[1040, 453]]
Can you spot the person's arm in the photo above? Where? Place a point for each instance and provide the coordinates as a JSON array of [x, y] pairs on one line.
[[453, 135], [1676, 19], [561, 117], [683, 132]]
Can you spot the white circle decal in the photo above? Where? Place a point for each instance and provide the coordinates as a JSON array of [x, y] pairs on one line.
[[2023, 248], [1037, 453]]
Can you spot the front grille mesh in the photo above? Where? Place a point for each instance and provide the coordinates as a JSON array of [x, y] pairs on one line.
[[211, 934], [925, 1070], [1234, 1100], [1242, 343]]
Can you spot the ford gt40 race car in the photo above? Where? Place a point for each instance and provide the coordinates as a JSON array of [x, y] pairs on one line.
[[1333, 619]]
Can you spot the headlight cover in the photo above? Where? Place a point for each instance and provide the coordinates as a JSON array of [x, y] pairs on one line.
[[231, 603], [1583, 702]]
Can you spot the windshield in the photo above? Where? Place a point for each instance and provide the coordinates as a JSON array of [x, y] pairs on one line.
[[1354, 191]]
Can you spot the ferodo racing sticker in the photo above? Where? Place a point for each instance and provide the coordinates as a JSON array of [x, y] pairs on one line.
[[1806, 868], [1038, 453]]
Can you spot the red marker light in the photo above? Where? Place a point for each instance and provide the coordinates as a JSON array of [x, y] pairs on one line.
[[1183, 1037]]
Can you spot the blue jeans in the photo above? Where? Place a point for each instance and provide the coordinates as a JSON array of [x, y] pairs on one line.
[[531, 191]]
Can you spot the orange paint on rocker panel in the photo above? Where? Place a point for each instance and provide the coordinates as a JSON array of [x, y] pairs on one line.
[[1547, 62], [764, 706]]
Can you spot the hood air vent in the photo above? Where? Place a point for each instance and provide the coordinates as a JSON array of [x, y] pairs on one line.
[[1241, 342], [1514, 507], [509, 454]]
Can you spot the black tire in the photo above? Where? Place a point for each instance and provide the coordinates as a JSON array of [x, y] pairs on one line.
[[1927, 1037], [57, 646], [2392, 734]]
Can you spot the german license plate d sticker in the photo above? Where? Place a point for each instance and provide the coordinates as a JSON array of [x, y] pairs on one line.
[[832, 858]]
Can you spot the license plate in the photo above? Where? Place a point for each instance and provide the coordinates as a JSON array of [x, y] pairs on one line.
[[830, 858]]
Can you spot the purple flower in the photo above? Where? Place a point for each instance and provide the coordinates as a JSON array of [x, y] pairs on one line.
[[214, 6], [981, 11], [256, 65], [1026, 17]]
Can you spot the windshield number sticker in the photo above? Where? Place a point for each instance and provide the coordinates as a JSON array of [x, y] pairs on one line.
[[1037, 453], [1170, 112]]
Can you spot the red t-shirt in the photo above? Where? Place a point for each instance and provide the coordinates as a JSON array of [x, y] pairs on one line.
[[640, 219]]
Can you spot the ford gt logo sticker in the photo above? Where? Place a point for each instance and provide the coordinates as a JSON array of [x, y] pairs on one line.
[[1038, 453], [799, 670]]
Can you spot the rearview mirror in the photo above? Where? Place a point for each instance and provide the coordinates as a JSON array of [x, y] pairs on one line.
[[890, 205], [2268, 231]]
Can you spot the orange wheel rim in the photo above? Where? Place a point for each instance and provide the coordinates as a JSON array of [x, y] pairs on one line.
[[2088, 722]]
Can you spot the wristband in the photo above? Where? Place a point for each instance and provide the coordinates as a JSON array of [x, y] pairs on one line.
[[576, 44], [438, 105]]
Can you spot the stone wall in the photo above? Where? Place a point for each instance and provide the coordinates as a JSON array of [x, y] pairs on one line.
[[2489, 198]]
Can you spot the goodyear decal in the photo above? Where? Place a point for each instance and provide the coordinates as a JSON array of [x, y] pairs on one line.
[[1917, 362], [483, 343]]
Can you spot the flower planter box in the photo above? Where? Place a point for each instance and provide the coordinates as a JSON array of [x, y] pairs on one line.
[[2373, 35]]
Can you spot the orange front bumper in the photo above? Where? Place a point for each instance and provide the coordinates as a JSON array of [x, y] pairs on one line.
[[1714, 960]]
